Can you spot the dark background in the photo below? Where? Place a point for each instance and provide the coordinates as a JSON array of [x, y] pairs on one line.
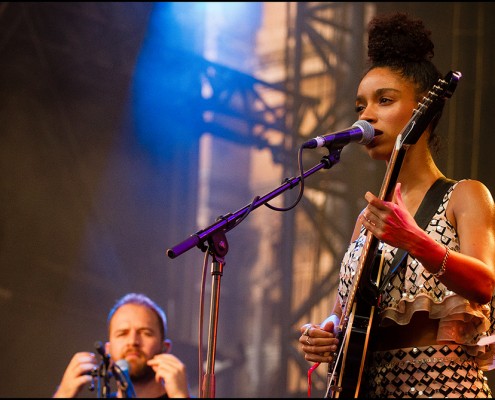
[[91, 196]]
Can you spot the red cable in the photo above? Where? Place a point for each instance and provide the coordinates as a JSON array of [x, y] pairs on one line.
[[310, 371]]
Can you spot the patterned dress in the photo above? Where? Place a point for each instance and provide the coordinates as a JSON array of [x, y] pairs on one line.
[[454, 370]]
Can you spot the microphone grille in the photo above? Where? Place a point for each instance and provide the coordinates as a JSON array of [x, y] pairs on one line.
[[368, 131], [123, 365]]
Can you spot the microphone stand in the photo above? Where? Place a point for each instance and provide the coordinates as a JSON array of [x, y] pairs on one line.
[[218, 248], [103, 372]]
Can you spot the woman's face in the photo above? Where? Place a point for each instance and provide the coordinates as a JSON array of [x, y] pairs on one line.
[[387, 101]]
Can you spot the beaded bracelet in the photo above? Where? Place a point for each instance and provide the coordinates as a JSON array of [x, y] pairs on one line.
[[441, 271]]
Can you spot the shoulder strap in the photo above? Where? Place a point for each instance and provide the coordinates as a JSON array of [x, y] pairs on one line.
[[432, 200], [423, 216]]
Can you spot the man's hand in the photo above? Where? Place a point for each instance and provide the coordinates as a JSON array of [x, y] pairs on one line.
[[77, 374], [172, 372]]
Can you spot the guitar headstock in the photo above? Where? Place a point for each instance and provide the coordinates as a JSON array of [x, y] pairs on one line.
[[431, 105], [449, 83]]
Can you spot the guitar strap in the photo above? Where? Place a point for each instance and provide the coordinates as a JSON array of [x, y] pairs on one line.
[[423, 216]]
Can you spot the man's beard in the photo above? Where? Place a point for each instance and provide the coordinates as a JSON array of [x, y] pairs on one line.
[[140, 372]]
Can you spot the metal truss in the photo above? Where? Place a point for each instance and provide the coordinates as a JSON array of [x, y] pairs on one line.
[[237, 107], [324, 62], [326, 57]]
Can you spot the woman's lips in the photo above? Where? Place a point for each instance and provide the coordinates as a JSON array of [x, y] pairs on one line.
[[378, 132], [373, 141]]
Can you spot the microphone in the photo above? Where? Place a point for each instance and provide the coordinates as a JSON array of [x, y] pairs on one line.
[[101, 350], [361, 131], [121, 372]]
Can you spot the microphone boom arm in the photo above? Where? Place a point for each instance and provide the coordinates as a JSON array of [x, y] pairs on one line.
[[228, 221], [218, 247]]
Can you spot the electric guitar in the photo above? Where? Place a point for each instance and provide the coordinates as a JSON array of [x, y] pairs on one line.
[[346, 371]]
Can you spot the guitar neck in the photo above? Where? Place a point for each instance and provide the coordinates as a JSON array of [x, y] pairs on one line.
[[393, 168], [370, 247]]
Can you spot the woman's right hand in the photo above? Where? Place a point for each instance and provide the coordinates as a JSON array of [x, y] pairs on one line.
[[319, 342]]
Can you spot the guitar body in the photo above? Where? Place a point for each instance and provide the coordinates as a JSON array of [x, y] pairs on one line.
[[355, 343], [352, 377], [346, 373]]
